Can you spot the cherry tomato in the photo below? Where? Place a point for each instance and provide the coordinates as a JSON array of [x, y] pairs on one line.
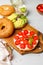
[[34, 42], [20, 33], [22, 46], [17, 42], [25, 32], [35, 37], [25, 42], [16, 37], [32, 33], [22, 38], [25, 36], [40, 8], [30, 46]]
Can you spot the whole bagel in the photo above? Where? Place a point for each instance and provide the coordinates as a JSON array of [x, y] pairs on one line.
[[6, 10], [6, 28]]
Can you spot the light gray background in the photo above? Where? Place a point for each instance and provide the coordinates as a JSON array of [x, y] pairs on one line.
[[36, 20]]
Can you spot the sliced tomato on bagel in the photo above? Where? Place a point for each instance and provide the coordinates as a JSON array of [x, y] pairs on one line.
[[35, 38], [25, 32], [22, 38], [22, 46], [20, 33], [16, 37], [34, 42], [25, 42], [30, 46], [32, 33], [17, 42]]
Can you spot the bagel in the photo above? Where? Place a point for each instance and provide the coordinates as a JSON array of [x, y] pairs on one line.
[[26, 40], [6, 10], [19, 20], [6, 28]]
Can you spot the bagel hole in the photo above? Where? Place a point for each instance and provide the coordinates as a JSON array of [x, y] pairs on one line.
[[2, 27]]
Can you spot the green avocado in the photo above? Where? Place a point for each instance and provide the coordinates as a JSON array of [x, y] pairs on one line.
[[23, 9], [19, 23], [19, 20], [24, 18], [13, 16], [30, 41]]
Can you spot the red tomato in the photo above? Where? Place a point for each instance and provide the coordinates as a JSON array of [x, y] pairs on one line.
[[32, 32], [30, 46], [40, 8], [25, 32], [35, 37], [34, 42], [16, 37], [22, 46], [22, 38], [20, 33], [17, 42], [25, 36], [25, 42]]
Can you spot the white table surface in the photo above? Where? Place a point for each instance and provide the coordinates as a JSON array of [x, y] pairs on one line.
[[35, 20]]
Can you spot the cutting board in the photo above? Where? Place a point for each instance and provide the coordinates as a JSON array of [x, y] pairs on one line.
[[39, 47]]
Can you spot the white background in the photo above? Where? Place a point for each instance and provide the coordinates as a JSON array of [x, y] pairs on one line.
[[35, 20]]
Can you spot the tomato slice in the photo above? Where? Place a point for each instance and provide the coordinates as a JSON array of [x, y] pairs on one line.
[[25, 42], [16, 37], [35, 37], [25, 36], [30, 46], [32, 33], [25, 32], [17, 42], [20, 33], [22, 46], [22, 38], [40, 8], [34, 42]]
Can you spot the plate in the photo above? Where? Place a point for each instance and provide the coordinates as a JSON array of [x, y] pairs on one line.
[[35, 20]]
